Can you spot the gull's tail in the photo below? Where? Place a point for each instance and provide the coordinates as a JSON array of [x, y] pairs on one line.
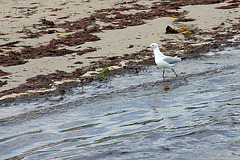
[[177, 58]]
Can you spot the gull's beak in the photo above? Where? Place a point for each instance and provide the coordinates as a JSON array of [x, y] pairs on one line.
[[148, 47]]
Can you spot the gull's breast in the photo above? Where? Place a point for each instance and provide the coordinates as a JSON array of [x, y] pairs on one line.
[[161, 63]]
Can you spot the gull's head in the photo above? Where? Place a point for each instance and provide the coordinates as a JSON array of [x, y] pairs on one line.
[[153, 45]]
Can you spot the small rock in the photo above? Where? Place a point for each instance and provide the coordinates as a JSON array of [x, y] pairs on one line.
[[166, 87], [131, 46]]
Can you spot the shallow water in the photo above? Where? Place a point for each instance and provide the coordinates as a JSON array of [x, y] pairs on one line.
[[133, 117]]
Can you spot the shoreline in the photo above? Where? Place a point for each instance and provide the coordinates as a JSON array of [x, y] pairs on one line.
[[125, 50]]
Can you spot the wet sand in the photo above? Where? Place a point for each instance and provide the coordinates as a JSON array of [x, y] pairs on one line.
[[23, 15]]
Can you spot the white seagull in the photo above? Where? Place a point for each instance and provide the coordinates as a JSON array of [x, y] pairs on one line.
[[164, 61]]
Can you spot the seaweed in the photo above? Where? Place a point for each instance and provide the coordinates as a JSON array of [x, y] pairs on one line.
[[231, 6]]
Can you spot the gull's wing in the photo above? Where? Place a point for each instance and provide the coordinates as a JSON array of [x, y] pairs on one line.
[[171, 60]]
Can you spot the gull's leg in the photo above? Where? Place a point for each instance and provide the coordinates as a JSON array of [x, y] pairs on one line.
[[174, 72], [163, 73]]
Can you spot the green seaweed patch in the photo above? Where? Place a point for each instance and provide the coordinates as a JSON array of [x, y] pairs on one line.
[[106, 70], [101, 78]]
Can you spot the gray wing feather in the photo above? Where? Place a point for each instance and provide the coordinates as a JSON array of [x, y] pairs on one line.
[[171, 60]]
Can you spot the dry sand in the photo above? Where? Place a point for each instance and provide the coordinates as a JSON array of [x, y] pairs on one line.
[[112, 43]]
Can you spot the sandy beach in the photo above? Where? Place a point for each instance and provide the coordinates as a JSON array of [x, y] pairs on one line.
[[21, 18]]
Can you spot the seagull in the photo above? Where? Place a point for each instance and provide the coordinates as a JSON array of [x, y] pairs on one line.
[[164, 61]]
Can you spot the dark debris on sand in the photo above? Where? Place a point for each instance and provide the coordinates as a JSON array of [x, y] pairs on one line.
[[89, 26]]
